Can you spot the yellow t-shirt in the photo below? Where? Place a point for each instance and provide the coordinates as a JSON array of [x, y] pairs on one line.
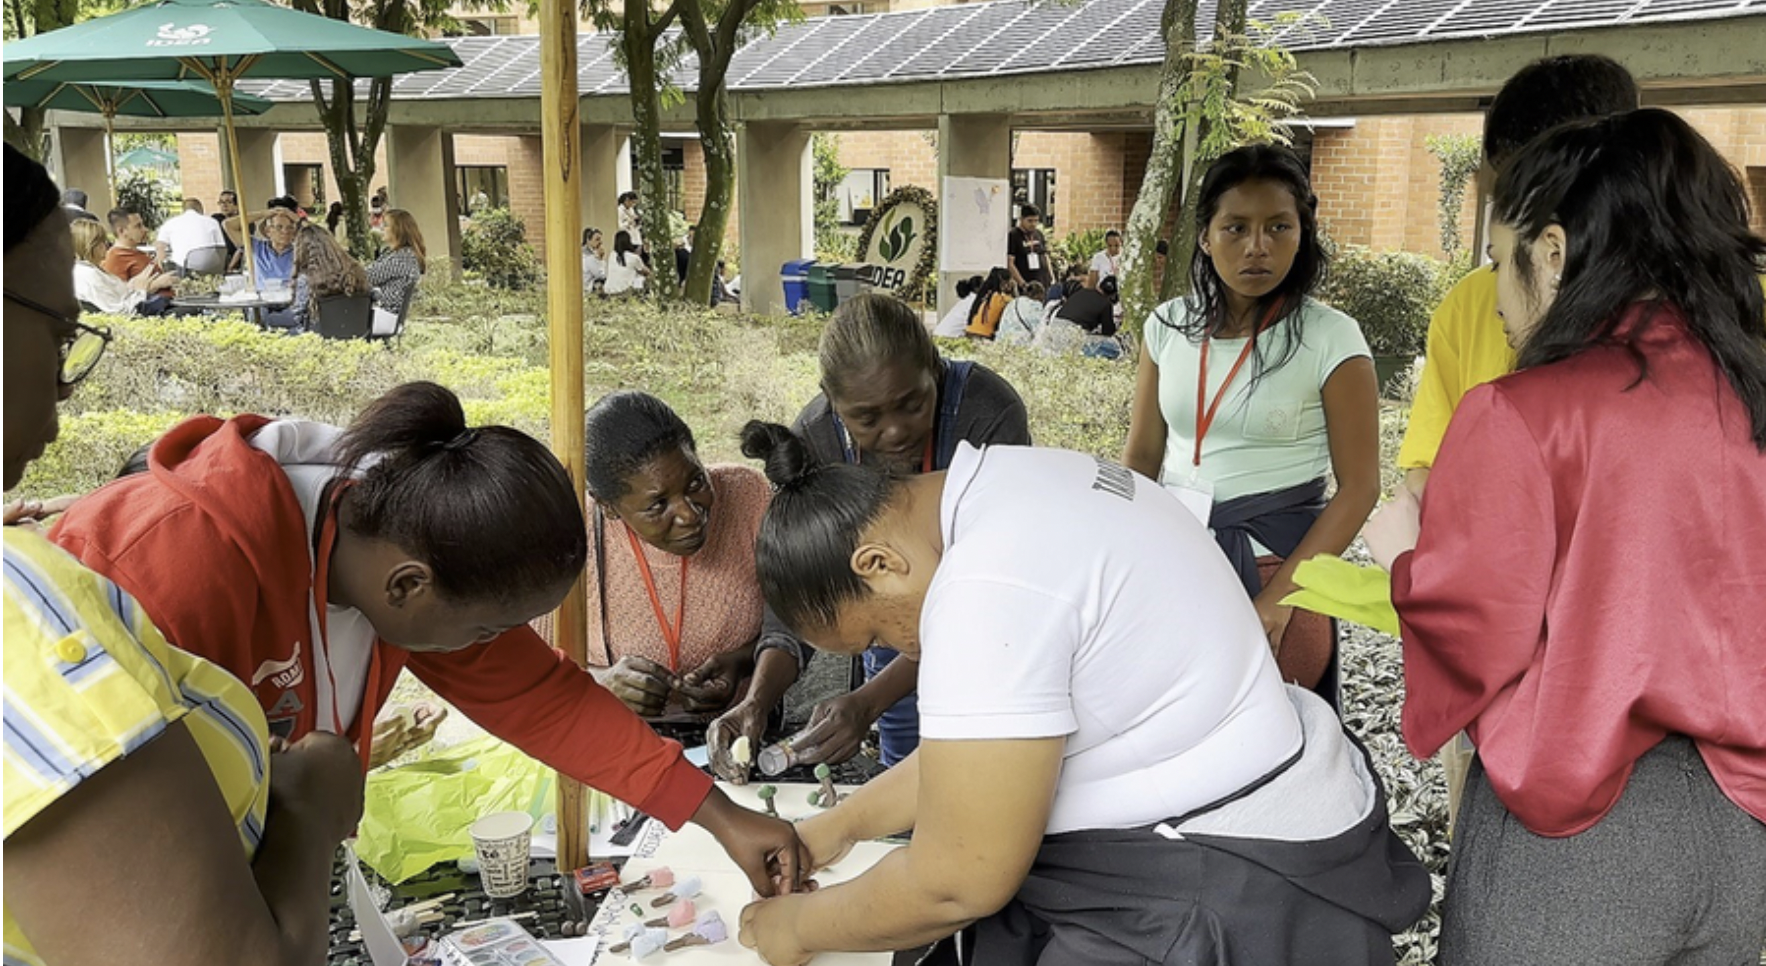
[[89, 680], [1466, 349]]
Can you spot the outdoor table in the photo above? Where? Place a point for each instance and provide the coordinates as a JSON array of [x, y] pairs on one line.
[[254, 307]]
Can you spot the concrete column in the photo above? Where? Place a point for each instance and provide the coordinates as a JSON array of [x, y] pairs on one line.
[[622, 167], [77, 161], [601, 160], [773, 181], [420, 164], [259, 165], [971, 146]]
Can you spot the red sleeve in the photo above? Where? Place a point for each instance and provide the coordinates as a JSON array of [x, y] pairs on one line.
[[1471, 597], [532, 696]]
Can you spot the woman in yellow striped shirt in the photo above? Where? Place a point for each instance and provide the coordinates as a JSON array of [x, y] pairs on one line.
[[133, 770]]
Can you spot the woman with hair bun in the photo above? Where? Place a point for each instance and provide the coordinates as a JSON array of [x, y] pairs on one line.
[[1584, 587], [316, 562], [1110, 768]]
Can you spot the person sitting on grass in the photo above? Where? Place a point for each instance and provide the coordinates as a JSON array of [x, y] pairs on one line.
[[626, 271], [318, 562], [1111, 770], [126, 757], [889, 400]]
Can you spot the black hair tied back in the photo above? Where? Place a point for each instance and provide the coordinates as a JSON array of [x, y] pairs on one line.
[[789, 463], [490, 509]]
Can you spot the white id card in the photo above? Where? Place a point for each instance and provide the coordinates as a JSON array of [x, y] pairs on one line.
[[1195, 493], [1034, 261]]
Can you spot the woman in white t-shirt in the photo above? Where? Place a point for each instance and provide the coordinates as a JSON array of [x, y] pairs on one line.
[[594, 260], [626, 270], [1109, 760], [1250, 393]]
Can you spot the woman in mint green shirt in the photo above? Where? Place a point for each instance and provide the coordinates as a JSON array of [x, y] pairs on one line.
[[1250, 395]]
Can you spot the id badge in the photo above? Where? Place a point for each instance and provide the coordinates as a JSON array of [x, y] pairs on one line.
[[1034, 261], [1195, 492]]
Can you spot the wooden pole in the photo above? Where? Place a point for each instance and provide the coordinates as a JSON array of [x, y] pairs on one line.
[[223, 84], [561, 145]]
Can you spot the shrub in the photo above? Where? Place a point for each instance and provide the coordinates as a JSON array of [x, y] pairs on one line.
[[145, 194], [1077, 248], [495, 247], [1390, 293]]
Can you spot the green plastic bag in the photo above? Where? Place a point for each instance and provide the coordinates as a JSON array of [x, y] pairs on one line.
[[419, 814], [1335, 587]]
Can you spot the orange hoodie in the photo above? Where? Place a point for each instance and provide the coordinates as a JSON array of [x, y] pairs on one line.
[[213, 543]]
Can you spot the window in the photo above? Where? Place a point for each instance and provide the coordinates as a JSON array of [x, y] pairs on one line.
[[1035, 186], [862, 191], [306, 182], [482, 27], [481, 187], [674, 176]]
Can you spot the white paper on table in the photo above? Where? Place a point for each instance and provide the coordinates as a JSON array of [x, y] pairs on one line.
[[573, 952], [693, 852], [384, 948], [974, 217]]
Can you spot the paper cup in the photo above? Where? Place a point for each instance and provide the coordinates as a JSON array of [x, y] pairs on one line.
[[501, 840]]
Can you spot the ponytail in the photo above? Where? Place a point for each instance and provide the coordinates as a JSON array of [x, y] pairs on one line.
[[818, 513], [489, 509]]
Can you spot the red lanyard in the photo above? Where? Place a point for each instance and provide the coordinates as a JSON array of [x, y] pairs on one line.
[[671, 635], [1206, 412], [321, 590]]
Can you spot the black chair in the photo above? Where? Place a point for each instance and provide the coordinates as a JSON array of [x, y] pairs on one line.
[[344, 317]]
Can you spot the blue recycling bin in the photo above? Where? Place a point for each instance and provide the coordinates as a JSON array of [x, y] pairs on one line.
[[796, 277]]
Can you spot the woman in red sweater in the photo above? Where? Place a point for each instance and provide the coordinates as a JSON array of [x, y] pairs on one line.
[[315, 563], [1585, 590]]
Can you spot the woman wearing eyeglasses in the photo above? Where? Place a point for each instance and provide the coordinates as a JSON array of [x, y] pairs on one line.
[[123, 754]]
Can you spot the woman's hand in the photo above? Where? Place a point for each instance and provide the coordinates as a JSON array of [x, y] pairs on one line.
[[826, 836], [319, 780], [712, 686], [1275, 617], [1394, 528], [837, 727], [769, 927], [767, 849], [642, 685], [746, 720]]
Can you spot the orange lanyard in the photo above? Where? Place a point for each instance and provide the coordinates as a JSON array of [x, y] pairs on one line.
[[671, 635], [1206, 412]]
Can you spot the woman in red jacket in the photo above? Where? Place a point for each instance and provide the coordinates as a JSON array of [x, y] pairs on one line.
[[1586, 594], [315, 563]]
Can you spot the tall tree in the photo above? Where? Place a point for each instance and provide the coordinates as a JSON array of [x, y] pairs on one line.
[[715, 29], [649, 57], [353, 144]]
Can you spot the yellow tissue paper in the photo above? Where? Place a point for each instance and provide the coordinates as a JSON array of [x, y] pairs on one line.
[[417, 815], [1337, 588]]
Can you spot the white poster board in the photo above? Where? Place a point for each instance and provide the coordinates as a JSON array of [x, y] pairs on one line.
[[976, 215]]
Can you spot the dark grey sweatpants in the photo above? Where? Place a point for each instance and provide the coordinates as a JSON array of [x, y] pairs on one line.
[[1674, 874]]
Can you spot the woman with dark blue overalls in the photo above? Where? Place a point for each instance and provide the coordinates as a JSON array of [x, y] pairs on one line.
[[888, 398]]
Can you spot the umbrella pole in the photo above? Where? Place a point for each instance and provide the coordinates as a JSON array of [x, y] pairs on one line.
[[224, 89], [110, 157], [561, 144]]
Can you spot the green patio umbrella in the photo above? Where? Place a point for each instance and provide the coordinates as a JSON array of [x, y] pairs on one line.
[[221, 42], [127, 99]]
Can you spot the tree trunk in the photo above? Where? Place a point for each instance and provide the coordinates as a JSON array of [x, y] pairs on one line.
[[26, 133], [1229, 21], [1164, 167], [719, 144], [639, 39], [352, 151]]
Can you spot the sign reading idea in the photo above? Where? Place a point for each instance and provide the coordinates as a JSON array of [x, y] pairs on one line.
[[900, 239]]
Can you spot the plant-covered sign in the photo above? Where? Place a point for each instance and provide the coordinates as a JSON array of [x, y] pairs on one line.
[[900, 239]]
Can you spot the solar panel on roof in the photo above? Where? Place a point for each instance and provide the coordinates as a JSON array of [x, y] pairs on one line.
[[873, 61], [758, 56], [1400, 21], [1487, 16], [1033, 23], [1107, 44], [829, 45], [920, 35], [1662, 8], [1330, 23], [985, 20], [1580, 11]]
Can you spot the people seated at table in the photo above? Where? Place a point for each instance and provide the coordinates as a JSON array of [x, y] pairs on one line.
[[105, 292], [674, 607], [194, 242], [888, 400], [1583, 586], [134, 254], [272, 244], [127, 759], [1291, 402], [319, 562], [626, 271], [1111, 770], [322, 270], [395, 274], [227, 206]]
